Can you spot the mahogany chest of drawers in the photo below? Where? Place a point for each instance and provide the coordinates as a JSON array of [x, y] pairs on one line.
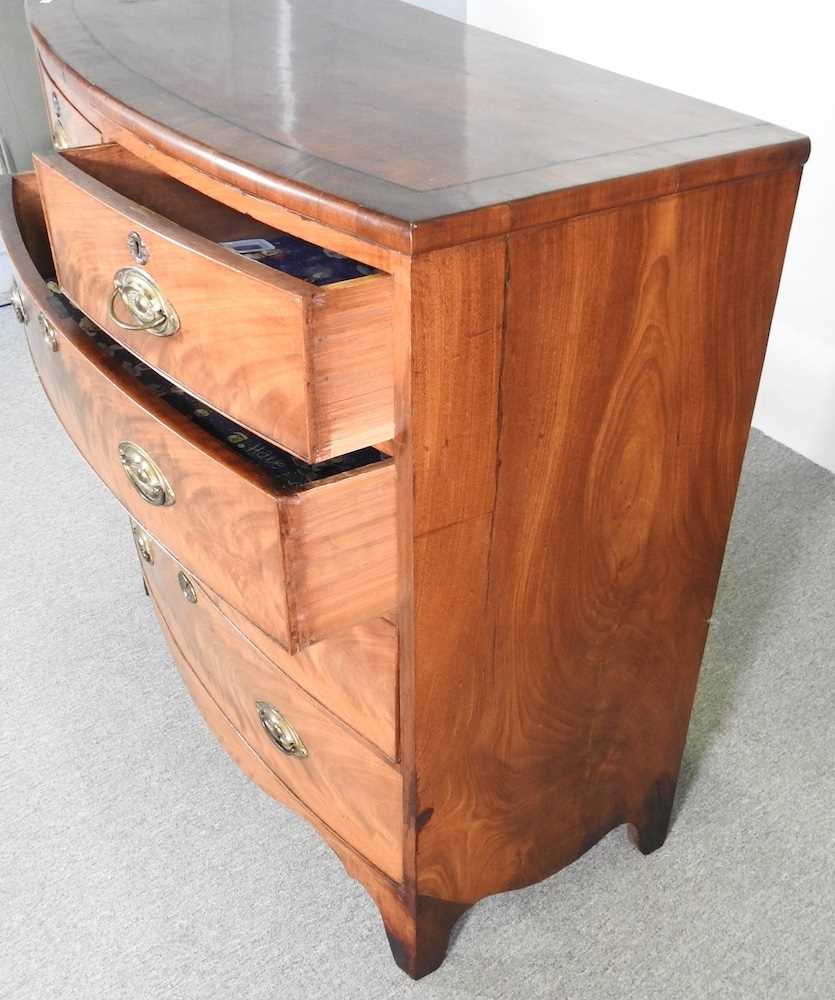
[[423, 363]]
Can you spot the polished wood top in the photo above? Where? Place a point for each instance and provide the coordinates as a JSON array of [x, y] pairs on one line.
[[377, 103]]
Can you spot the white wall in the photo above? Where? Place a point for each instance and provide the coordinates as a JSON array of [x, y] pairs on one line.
[[451, 8], [22, 117], [764, 59]]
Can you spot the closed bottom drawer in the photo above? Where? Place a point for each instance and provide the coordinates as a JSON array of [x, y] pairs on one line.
[[301, 551], [341, 778], [354, 673]]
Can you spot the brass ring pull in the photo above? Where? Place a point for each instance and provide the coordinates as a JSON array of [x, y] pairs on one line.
[[145, 475], [280, 731], [140, 295]]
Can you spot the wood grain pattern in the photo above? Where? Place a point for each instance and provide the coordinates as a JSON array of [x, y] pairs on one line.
[[225, 520], [66, 123], [349, 350], [445, 157], [307, 367], [25, 226], [353, 673], [139, 181], [561, 688], [578, 301], [456, 323], [344, 782], [274, 215], [391, 898], [229, 523], [340, 551], [380, 885]]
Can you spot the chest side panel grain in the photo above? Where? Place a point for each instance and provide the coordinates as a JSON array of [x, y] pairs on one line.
[[560, 690]]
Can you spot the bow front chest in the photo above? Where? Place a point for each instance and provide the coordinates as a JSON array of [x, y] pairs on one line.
[[423, 363]]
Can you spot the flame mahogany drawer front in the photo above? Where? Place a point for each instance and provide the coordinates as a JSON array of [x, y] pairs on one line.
[[300, 563], [353, 673], [343, 780], [424, 362], [307, 366]]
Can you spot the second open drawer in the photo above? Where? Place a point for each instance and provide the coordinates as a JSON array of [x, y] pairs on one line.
[[301, 562]]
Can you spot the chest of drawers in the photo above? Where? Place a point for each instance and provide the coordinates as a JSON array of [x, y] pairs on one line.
[[423, 363]]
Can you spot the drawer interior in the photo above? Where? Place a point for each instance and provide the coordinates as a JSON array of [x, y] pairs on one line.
[[284, 470], [31, 223], [143, 184]]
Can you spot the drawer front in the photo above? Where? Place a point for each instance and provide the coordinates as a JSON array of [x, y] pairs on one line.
[[250, 763], [255, 546], [67, 125], [337, 775], [306, 367], [354, 673]]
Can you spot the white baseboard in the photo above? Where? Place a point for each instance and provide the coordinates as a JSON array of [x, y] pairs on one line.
[[796, 402]]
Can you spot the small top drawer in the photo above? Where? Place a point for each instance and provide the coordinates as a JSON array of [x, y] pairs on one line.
[[67, 125], [305, 364], [301, 551]]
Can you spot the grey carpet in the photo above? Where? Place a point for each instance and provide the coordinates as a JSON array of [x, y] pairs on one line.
[[137, 862]]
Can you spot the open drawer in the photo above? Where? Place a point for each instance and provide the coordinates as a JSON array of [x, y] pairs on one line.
[[294, 345], [301, 551]]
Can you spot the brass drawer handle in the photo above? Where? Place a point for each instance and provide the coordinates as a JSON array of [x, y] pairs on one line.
[[187, 588], [280, 731], [59, 136], [48, 332], [143, 544], [140, 295], [145, 475], [18, 305]]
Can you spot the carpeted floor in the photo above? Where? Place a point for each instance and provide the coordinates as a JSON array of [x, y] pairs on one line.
[[137, 862]]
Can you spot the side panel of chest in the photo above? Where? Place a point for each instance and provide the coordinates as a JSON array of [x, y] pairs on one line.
[[553, 706]]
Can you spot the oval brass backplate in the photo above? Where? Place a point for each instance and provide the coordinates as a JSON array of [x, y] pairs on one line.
[[280, 731], [141, 297], [145, 475]]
